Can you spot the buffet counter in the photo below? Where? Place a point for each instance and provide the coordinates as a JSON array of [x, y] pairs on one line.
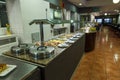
[[61, 64], [53, 43], [21, 71], [90, 41], [90, 36]]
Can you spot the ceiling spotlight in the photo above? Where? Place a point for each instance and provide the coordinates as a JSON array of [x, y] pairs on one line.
[[71, 21], [105, 14], [116, 1], [80, 4], [116, 10]]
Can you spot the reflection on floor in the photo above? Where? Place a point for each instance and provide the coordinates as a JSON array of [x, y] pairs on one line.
[[103, 63]]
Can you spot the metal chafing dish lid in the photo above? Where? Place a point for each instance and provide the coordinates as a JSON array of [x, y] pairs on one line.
[[16, 50], [41, 53]]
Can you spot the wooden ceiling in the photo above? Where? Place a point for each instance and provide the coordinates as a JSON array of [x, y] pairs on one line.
[[105, 6]]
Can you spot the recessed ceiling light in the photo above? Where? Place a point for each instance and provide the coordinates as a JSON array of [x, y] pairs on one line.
[[116, 1], [105, 14], [116, 10], [71, 21], [80, 4]]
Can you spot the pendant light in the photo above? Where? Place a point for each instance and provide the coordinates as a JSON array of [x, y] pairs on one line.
[[116, 1]]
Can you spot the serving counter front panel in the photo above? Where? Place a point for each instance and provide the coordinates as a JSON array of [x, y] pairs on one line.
[[63, 66]]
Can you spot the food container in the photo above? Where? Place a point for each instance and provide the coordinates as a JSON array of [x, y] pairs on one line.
[[16, 50], [24, 47], [41, 52]]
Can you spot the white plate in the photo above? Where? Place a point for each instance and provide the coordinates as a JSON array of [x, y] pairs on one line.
[[70, 41], [63, 45], [8, 70], [74, 39]]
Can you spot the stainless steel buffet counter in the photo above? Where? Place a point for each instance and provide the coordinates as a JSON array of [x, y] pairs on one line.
[[23, 70]]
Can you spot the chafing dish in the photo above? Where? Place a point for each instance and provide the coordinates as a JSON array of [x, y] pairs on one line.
[[41, 52]]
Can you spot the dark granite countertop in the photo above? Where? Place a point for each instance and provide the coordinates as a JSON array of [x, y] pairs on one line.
[[20, 72]]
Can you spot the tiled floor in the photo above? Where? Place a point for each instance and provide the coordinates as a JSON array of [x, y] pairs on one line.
[[103, 63]]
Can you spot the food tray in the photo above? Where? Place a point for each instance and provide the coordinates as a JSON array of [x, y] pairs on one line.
[[8, 70]]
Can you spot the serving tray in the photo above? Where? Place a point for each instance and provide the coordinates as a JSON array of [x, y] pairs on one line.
[[8, 70]]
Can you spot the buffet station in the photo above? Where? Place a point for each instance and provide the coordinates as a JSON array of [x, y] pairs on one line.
[[56, 58], [90, 37]]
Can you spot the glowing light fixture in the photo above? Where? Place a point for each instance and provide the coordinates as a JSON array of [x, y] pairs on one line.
[[116, 1], [116, 10], [105, 14], [71, 21], [80, 4]]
